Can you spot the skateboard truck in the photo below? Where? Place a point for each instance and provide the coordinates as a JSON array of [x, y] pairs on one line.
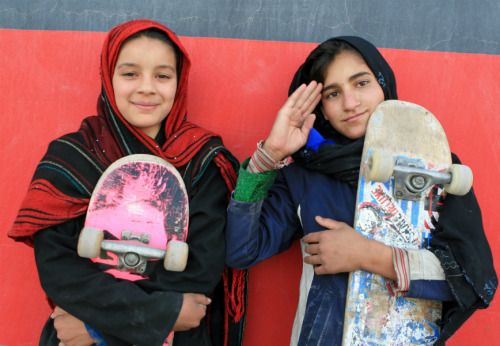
[[411, 179], [133, 250], [132, 261]]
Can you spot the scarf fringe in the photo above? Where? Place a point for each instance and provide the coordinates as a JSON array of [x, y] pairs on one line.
[[234, 292]]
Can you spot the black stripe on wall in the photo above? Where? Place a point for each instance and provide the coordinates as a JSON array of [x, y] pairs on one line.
[[465, 26]]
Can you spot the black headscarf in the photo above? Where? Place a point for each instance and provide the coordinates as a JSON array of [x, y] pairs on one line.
[[458, 241], [341, 159]]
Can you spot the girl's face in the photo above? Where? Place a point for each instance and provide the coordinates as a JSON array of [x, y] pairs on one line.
[[350, 94], [145, 83]]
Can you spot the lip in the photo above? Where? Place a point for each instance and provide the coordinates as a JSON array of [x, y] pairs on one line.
[[354, 118], [147, 106]]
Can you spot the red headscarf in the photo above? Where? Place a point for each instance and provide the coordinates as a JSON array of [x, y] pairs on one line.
[[66, 176], [110, 51]]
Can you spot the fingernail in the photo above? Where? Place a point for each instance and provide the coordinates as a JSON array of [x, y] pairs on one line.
[[209, 300]]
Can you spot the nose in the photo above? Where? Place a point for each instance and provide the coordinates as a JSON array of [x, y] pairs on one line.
[[147, 85], [351, 100]]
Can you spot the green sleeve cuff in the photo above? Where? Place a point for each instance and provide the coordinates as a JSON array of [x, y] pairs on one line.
[[252, 187]]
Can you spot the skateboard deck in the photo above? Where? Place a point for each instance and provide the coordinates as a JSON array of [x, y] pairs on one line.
[[405, 170], [138, 213]]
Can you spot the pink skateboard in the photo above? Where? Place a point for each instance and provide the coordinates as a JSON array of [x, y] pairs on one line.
[[138, 213]]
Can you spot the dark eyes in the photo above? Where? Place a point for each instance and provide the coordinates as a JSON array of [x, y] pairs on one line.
[[159, 76], [332, 95], [358, 84]]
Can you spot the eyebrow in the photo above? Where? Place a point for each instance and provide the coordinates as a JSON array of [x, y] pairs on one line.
[[131, 64], [353, 77]]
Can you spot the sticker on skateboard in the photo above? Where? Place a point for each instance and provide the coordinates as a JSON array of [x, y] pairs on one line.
[[406, 172]]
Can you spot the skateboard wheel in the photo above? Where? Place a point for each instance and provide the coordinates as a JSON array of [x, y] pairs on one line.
[[89, 242], [176, 256], [379, 167], [461, 180]]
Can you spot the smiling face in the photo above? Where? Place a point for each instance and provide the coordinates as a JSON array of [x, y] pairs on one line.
[[350, 94], [145, 83]]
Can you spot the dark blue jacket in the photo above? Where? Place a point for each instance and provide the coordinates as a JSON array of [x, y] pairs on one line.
[[259, 230]]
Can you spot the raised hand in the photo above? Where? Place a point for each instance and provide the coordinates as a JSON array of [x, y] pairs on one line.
[[341, 249], [194, 308], [293, 122]]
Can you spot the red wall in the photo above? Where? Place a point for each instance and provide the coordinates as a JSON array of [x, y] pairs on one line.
[[50, 82]]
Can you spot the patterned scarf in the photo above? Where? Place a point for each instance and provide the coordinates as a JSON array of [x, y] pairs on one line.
[[66, 176]]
